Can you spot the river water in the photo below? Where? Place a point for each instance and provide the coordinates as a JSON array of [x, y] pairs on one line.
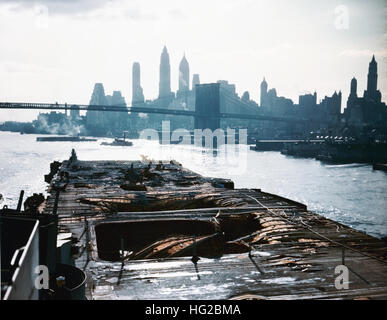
[[354, 194]]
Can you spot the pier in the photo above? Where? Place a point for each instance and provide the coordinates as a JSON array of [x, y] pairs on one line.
[[380, 166], [156, 230], [329, 150]]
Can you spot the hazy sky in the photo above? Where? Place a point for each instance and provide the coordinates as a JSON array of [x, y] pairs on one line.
[[55, 50]]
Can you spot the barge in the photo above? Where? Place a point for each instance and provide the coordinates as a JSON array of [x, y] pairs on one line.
[[330, 151], [156, 230], [64, 138], [279, 145]]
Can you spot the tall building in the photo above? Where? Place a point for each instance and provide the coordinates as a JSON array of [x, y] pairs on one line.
[[366, 110], [263, 92], [137, 93], [195, 80], [353, 87], [184, 75], [115, 121], [98, 96], [372, 92], [332, 106], [94, 118], [225, 86], [165, 75], [308, 100], [271, 97], [246, 96], [116, 99], [352, 98]]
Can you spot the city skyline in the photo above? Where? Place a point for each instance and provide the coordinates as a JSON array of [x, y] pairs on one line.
[[329, 71]]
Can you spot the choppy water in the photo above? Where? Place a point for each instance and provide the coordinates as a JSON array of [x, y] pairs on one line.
[[354, 194]]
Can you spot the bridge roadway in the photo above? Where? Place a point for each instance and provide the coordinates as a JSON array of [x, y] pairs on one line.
[[138, 109]]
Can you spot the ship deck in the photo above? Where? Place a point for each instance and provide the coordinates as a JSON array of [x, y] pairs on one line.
[[283, 252]]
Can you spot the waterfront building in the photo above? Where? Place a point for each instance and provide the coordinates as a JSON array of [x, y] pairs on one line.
[[372, 93], [137, 92], [308, 100], [331, 107], [95, 119], [184, 75], [246, 96], [195, 80], [165, 75], [367, 110], [263, 92], [352, 98]]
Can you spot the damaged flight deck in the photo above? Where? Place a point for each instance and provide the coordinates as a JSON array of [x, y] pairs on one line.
[[156, 230]]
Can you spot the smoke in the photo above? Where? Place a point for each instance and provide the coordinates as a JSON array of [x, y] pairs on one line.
[[63, 127]]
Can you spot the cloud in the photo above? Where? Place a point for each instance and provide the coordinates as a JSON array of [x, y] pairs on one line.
[[116, 11], [363, 53], [13, 67], [81, 9], [59, 6]]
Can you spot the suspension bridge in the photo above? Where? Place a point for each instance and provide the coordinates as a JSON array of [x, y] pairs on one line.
[[207, 114]]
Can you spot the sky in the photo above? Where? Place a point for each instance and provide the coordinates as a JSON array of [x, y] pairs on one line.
[[55, 50]]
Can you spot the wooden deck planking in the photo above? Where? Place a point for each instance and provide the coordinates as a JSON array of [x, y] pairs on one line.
[[297, 263]]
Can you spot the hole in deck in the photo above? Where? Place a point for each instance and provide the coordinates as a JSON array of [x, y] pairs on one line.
[[154, 239]]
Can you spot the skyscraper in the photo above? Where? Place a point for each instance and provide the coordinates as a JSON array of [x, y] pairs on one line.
[[96, 118], [165, 75], [372, 91], [184, 75], [263, 92], [246, 96], [137, 93], [372, 76], [98, 96], [195, 80], [353, 87], [352, 101], [308, 100], [332, 106], [117, 99], [115, 121]]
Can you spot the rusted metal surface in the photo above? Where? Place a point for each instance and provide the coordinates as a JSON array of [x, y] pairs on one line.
[[138, 225]]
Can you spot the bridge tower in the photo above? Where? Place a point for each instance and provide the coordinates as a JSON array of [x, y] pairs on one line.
[[207, 106]]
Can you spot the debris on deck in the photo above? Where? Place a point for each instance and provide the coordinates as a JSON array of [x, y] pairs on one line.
[[146, 230]]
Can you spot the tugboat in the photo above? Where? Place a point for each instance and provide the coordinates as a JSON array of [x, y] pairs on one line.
[[119, 142]]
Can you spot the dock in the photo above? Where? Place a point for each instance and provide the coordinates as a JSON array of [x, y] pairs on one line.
[[380, 166], [64, 139], [278, 145], [156, 230]]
